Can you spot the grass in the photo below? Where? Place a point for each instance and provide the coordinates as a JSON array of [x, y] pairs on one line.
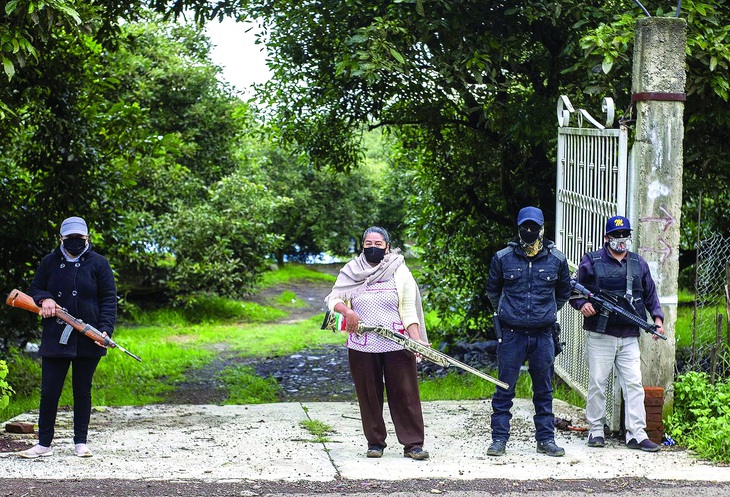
[[464, 386], [318, 429], [245, 387], [293, 272]]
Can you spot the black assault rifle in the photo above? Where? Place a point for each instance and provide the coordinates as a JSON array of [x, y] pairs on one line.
[[610, 303]]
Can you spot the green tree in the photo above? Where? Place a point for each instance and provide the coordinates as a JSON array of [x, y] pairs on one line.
[[469, 89]]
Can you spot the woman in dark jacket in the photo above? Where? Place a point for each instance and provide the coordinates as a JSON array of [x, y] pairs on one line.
[[81, 281]]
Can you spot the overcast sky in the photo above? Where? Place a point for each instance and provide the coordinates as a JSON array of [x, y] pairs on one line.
[[243, 62]]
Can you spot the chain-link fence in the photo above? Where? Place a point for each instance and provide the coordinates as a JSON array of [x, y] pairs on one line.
[[705, 345]]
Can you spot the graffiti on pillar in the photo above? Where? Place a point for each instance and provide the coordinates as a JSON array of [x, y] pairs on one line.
[[665, 250], [667, 219], [656, 189]]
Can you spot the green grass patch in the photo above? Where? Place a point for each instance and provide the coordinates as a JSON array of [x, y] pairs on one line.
[[290, 272], [456, 386], [203, 309], [245, 387], [318, 429], [465, 386], [685, 325], [289, 300]]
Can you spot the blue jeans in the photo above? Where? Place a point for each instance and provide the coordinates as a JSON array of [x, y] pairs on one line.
[[515, 349]]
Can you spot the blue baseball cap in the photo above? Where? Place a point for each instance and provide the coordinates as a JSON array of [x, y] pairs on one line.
[[617, 223], [530, 214]]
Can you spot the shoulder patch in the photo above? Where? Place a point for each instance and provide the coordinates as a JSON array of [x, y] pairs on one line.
[[507, 250]]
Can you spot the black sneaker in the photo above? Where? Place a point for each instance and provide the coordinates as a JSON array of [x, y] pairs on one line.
[[646, 445], [497, 448], [375, 451], [550, 448], [416, 453], [596, 441]]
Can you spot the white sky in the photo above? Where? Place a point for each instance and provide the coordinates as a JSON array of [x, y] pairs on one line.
[[243, 62]]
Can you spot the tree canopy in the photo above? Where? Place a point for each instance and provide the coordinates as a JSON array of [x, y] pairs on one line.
[[124, 122], [469, 89]]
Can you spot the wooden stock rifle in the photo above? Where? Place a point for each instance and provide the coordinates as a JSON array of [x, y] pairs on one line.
[[335, 322], [21, 300]]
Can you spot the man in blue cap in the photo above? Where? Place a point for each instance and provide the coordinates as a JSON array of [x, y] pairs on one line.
[[611, 341], [528, 283]]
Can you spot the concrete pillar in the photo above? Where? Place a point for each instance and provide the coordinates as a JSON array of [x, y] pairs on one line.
[[658, 87]]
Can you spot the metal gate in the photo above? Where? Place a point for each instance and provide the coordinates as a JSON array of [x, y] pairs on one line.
[[592, 185]]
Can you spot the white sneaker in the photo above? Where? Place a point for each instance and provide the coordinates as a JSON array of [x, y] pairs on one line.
[[36, 451], [81, 450]]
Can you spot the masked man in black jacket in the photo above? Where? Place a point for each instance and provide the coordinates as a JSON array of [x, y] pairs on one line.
[[528, 283]]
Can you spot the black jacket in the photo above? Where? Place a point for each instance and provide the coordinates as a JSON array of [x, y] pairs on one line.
[[528, 292], [86, 289]]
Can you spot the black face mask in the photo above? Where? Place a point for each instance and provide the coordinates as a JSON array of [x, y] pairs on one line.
[[74, 246], [529, 237], [374, 254]]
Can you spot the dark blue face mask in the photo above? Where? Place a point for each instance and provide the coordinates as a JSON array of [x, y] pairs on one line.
[[74, 246], [374, 254]]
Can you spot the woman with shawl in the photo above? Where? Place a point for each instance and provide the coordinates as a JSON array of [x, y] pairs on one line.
[[378, 289]]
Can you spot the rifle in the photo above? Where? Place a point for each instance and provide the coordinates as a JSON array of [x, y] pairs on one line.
[[21, 300], [336, 322], [612, 304]]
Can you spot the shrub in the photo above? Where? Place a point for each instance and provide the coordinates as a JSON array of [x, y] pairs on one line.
[[5, 389], [701, 418]]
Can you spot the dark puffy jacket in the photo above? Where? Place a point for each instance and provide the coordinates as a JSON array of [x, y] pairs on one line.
[[86, 289], [528, 293]]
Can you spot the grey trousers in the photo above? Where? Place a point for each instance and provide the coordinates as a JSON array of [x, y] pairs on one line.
[[603, 353]]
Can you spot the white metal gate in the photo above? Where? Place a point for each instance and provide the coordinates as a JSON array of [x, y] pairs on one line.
[[592, 185]]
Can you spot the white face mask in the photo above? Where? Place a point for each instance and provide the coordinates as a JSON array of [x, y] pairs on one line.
[[620, 245]]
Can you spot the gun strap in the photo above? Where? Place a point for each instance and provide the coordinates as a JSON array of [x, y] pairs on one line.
[[65, 334], [629, 281]]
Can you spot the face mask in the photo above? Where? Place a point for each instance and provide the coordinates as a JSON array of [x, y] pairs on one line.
[[374, 254], [531, 240], [620, 245], [530, 236], [74, 246]]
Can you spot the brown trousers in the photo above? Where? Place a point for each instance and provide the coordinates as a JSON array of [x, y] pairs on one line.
[[398, 369]]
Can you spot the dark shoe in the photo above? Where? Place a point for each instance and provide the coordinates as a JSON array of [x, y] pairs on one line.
[[596, 441], [497, 448], [375, 451], [646, 445], [550, 449], [416, 453]]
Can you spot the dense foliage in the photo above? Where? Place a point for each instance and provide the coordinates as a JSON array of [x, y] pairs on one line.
[[469, 89], [466, 89], [701, 417], [5, 389], [181, 191]]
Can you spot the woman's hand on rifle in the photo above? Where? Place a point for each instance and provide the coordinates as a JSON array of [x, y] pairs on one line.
[[48, 308]]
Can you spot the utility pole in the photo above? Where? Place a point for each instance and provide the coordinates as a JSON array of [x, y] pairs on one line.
[[658, 86]]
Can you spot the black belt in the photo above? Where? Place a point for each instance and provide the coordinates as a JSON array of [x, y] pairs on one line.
[[530, 331]]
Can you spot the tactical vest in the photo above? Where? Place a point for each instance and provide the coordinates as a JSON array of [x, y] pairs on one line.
[[614, 279]]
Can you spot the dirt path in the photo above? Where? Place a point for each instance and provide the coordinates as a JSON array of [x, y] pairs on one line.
[[320, 375]]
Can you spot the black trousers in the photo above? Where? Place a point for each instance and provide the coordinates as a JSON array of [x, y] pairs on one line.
[[396, 371], [54, 371]]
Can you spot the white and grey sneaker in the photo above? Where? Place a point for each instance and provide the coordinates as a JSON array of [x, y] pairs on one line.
[[81, 450], [36, 451]]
